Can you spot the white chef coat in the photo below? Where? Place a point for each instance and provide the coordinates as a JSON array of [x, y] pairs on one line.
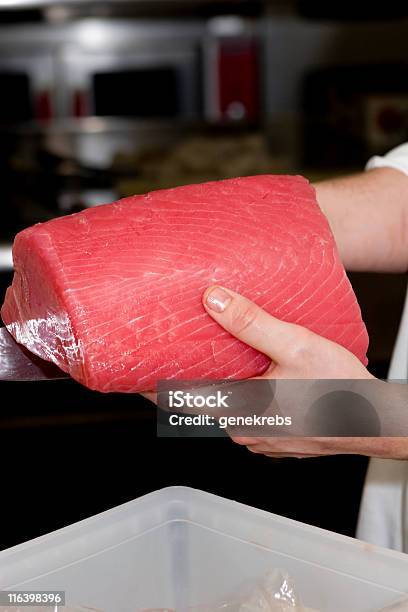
[[383, 516]]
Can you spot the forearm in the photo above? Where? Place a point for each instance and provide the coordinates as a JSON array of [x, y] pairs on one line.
[[368, 214]]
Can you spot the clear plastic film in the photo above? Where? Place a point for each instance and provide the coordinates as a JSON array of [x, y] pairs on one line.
[[398, 606], [275, 592]]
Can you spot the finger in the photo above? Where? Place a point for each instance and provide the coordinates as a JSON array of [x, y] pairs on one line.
[[150, 395], [254, 449], [272, 447], [292, 446], [314, 446], [294, 452], [287, 454], [290, 456], [245, 441], [251, 324]]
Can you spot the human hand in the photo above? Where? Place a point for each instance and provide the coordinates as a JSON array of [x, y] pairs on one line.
[[296, 353]]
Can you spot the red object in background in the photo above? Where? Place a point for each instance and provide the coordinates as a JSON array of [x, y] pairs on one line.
[[79, 104], [238, 79], [43, 105]]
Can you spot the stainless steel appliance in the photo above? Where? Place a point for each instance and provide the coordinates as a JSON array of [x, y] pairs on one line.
[[130, 69], [93, 85], [121, 68], [26, 83]]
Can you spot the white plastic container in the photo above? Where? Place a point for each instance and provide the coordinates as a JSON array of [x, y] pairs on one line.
[[179, 547]]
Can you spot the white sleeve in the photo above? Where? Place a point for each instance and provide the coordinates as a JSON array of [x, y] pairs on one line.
[[396, 158]]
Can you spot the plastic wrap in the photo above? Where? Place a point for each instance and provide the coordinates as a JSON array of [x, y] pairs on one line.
[[275, 592], [398, 606]]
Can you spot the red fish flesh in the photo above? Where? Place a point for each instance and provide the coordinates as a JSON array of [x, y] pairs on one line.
[[112, 295]]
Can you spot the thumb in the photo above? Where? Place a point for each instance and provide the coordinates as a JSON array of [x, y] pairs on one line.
[[279, 340]]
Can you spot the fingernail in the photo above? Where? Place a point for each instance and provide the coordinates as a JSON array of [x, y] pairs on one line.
[[218, 299]]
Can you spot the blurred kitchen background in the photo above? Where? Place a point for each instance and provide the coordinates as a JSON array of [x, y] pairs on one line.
[[99, 100]]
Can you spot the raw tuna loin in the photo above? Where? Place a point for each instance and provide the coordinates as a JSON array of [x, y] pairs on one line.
[[112, 295]]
